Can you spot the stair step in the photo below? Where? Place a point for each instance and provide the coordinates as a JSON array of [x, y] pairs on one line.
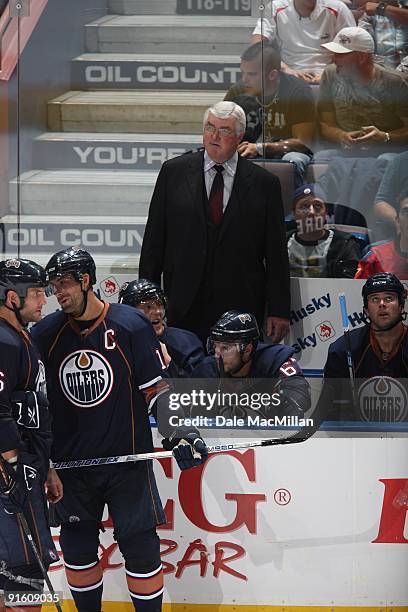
[[174, 7], [114, 240], [130, 111], [168, 34], [142, 7], [135, 71], [84, 192], [77, 150]]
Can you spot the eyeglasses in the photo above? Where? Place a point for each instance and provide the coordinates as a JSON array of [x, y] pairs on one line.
[[404, 212], [211, 129], [376, 299]]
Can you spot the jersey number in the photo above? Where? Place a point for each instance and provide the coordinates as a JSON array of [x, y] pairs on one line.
[[289, 368]]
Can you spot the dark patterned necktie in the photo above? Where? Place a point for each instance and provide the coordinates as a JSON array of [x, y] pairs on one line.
[[217, 195]]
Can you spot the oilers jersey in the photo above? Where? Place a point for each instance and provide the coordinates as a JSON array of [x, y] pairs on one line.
[[380, 380], [21, 369], [26, 429], [102, 381], [185, 349]]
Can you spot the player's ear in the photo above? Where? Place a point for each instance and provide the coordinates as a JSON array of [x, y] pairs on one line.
[[249, 349], [12, 298], [86, 280]]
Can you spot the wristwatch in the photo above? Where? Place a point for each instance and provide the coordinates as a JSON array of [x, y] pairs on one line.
[[387, 137], [259, 148], [380, 10]]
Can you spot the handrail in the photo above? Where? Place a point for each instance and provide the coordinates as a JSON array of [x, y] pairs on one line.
[[9, 35]]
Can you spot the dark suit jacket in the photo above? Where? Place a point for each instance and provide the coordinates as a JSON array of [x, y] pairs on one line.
[[250, 258]]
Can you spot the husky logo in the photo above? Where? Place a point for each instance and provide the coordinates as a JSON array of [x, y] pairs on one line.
[[30, 474], [383, 399], [109, 286], [13, 263], [86, 378], [244, 317], [325, 331]]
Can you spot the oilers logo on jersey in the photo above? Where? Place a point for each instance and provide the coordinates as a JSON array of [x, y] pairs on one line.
[[383, 398], [86, 378]]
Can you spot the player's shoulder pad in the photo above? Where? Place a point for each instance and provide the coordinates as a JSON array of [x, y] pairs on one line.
[[268, 358], [180, 338], [127, 317], [358, 337], [9, 339], [207, 368], [50, 324]]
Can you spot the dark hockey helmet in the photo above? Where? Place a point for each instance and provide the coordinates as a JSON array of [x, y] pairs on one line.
[[72, 261], [19, 275], [384, 281], [141, 290], [234, 326]]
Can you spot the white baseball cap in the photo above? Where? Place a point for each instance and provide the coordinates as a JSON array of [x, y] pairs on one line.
[[351, 39]]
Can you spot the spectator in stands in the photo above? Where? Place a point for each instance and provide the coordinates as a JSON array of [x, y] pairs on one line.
[[387, 23], [286, 104], [390, 256], [302, 26], [314, 250], [393, 184], [363, 108]]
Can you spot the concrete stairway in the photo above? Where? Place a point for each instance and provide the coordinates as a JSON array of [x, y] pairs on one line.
[[172, 7], [154, 72], [168, 34], [93, 192], [138, 96], [130, 111], [90, 150]]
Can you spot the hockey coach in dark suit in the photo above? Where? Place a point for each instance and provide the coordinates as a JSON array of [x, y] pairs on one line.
[[215, 230]]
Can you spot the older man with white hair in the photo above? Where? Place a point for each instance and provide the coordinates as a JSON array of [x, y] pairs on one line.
[[363, 108], [215, 230]]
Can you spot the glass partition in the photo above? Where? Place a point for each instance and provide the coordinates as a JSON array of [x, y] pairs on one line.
[[96, 95]]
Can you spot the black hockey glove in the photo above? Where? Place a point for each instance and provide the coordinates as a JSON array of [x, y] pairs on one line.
[[16, 481], [31, 413], [189, 449], [29, 408]]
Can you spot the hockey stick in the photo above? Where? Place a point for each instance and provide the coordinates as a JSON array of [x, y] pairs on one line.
[[29, 537], [346, 333], [301, 436]]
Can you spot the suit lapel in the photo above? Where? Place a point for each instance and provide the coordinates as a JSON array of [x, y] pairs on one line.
[[238, 196], [194, 178]]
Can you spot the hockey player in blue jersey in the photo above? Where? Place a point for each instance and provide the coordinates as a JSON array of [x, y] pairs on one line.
[[182, 350], [105, 372], [379, 352], [235, 352], [25, 434]]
